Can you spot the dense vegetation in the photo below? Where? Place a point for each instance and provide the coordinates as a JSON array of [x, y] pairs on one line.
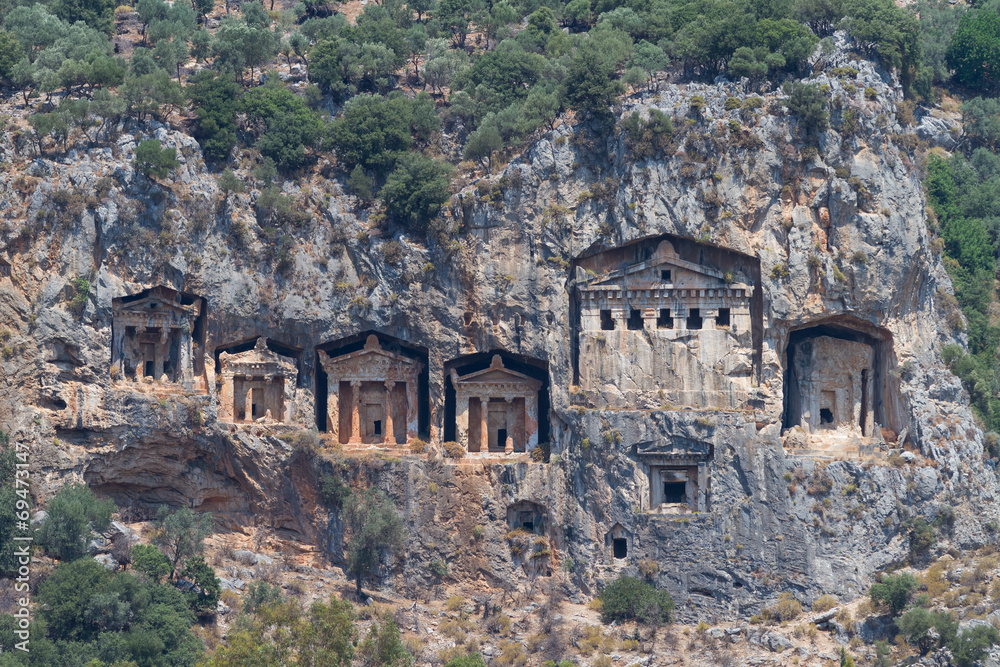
[[925, 629], [148, 613], [490, 74], [86, 614]]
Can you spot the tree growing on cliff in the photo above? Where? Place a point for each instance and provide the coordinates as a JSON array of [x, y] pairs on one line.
[[181, 534], [73, 514], [382, 646], [416, 190], [893, 591], [809, 103], [153, 160], [205, 597], [628, 598], [974, 51], [376, 530], [150, 561]]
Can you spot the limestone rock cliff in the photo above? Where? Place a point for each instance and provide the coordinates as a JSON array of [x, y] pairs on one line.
[[834, 231]]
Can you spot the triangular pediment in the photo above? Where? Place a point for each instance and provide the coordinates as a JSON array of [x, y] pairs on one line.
[[504, 376], [498, 374], [372, 356], [259, 359], [650, 272], [155, 301], [369, 360], [153, 304]]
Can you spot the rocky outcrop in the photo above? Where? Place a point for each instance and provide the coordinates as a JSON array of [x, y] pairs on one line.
[[837, 222]]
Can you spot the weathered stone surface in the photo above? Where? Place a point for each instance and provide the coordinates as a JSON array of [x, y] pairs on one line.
[[842, 243]]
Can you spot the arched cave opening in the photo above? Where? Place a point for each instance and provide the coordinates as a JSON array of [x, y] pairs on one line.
[[839, 374]]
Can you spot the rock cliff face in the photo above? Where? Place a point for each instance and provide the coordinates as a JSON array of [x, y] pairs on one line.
[[729, 509]]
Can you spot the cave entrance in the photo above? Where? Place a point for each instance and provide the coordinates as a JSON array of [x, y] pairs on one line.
[[634, 320], [620, 546], [526, 515], [838, 378], [607, 321], [616, 543]]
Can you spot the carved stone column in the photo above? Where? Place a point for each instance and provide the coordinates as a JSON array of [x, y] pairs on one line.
[[333, 408], [708, 318], [117, 351], [462, 420], [390, 434], [248, 405], [355, 412], [412, 414], [227, 399], [484, 413], [185, 371], [162, 352], [530, 421], [508, 445]]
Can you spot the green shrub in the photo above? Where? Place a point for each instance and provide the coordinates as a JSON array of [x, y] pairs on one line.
[[150, 561], [628, 599], [81, 295], [74, 513], [893, 591], [416, 190], [916, 623], [809, 103], [471, 660], [376, 530], [152, 160], [969, 647]]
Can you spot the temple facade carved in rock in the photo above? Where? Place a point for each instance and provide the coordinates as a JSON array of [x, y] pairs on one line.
[[371, 395], [496, 409], [678, 474], [256, 385], [658, 328], [834, 380], [154, 338]]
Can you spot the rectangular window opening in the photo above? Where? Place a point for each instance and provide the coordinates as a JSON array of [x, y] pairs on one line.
[[723, 318], [635, 320], [664, 320], [377, 427], [607, 322], [694, 320], [674, 492], [665, 275], [148, 369]]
